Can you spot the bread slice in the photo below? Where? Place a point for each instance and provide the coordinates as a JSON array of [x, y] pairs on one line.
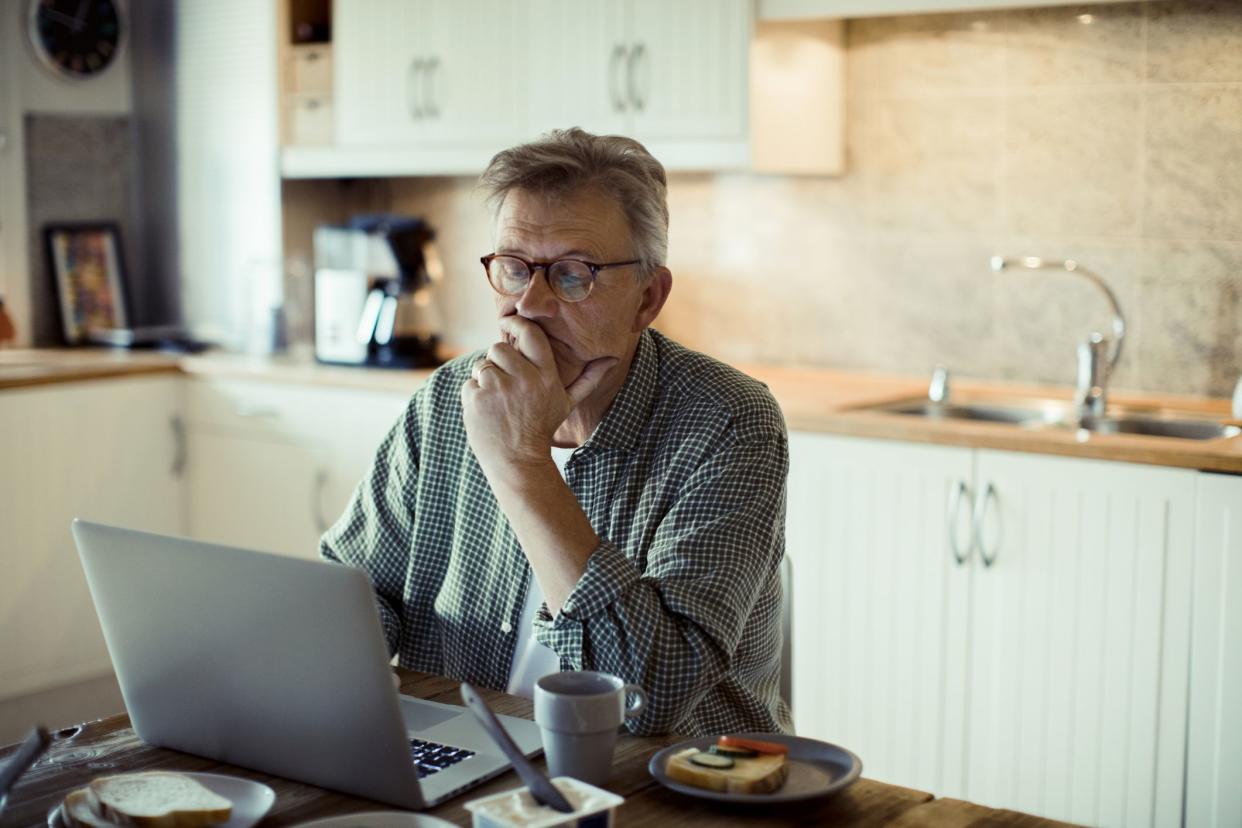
[[764, 773], [78, 811], [157, 799]]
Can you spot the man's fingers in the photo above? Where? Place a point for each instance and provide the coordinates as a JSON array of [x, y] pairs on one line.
[[590, 378], [506, 358], [481, 368], [529, 339]]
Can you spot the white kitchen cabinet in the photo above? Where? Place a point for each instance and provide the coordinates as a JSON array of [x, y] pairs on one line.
[[689, 65], [437, 87], [106, 450], [1031, 658], [807, 9], [580, 77], [431, 72], [1214, 764], [270, 467], [1079, 611], [878, 659]]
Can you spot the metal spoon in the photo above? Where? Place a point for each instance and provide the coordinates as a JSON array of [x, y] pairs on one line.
[[541, 788], [30, 750]]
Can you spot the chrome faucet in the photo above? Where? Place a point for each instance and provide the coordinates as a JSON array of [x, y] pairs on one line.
[[1095, 363]]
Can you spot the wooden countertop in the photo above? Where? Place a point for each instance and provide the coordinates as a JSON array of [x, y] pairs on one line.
[[110, 746], [813, 399]]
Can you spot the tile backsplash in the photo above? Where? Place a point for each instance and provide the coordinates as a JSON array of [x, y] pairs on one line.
[[1111, 134]]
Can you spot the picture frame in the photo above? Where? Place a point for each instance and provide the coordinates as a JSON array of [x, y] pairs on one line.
[[88, 268]]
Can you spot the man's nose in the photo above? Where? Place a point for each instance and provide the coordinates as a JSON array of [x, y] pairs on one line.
[[538, 299]]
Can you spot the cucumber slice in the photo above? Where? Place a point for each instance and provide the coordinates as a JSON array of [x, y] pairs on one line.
[[734, 752], [712, 760]]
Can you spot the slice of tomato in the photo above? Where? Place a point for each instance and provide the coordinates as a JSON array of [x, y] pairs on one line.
[[753, 744]]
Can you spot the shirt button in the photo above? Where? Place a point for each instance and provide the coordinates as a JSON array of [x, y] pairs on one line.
[[506, 627]]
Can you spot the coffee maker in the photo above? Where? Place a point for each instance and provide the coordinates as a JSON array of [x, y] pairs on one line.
[[375, 303]]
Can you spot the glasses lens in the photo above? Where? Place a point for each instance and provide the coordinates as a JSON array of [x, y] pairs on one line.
[[508, 275], [570, 280]]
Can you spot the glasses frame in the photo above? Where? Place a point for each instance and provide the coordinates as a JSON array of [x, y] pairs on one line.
[[533, 266]]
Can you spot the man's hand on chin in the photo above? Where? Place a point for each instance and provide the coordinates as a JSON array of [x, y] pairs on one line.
[[514, 400]]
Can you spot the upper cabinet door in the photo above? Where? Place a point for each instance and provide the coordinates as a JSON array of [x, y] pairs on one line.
[[475, 66], [687, 71], [1080, 638], [577, 60], [381, 66]]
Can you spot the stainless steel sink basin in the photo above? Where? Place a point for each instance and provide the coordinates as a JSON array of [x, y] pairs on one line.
[[1163, 427], [1049, 413], [1035, 413]]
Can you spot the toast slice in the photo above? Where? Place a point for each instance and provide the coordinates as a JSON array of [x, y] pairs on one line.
[[78, 811], [157, 800], [764, 773]]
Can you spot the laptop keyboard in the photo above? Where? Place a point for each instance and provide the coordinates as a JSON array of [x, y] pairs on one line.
[[431, 757]]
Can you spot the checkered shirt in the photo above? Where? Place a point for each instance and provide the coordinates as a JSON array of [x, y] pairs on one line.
[[684, 483]]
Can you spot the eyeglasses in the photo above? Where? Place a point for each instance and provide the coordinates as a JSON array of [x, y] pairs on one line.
[[571, 280]]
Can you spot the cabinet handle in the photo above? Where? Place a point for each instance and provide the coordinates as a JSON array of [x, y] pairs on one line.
[[631, 74], [955, 507], [981, 511], [412, 88], [431, 110], [321, 481], [614, 66], [179, 447], [258, 412]]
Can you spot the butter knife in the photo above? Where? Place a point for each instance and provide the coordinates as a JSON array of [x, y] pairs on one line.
[[541, 788]]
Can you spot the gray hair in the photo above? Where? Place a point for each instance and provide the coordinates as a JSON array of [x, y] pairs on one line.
[[566, 161]]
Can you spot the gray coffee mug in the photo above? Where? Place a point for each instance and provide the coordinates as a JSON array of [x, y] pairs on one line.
[[578, 714]]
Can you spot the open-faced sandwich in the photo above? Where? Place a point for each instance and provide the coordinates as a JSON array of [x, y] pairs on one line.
[[732, 765], [145, 800]]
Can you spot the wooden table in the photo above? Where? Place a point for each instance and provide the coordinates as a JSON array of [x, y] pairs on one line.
[[110, 746]]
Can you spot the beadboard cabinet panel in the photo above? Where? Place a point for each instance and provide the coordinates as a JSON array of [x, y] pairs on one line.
[[1080, 614], [1214, 769], [879, 644], [271, 467], [104, 451], [589, 36]]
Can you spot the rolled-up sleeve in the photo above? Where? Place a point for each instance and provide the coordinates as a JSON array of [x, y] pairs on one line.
[[375, 529], [674, 625]]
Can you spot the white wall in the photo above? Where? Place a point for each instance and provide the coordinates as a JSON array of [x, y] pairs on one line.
[[25, 86]]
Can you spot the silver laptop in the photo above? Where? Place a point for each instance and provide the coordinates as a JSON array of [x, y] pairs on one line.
[[276, 664]]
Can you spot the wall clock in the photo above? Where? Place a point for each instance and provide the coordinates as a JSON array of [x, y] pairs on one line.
[[75, 39]]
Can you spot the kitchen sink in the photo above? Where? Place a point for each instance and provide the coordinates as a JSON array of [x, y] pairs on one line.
[[1163, 427], [990, 413], [1050, 413]]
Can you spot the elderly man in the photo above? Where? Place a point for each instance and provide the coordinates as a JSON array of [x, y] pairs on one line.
[[588, 495]]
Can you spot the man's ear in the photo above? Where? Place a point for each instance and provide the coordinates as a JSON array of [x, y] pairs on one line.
[[655, 293]]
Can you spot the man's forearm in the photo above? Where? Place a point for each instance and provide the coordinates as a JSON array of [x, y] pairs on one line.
[[549, 524]]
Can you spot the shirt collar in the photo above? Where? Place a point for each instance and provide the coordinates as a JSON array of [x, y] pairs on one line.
[[630, 409]]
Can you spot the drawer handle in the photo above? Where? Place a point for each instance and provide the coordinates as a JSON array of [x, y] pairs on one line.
[[614, 64], [179, 446], [321, 481], [955, 507], [412, 88], [981, 511], [429, 77], [636, 55], [258, 412]]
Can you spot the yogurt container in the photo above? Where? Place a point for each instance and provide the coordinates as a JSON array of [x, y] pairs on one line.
[[593, 808]]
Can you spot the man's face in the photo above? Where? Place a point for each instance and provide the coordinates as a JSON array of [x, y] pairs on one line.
[[584, 226]]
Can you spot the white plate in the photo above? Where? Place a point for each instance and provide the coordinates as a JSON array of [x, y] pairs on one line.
[[251, 800], [378, 819]]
